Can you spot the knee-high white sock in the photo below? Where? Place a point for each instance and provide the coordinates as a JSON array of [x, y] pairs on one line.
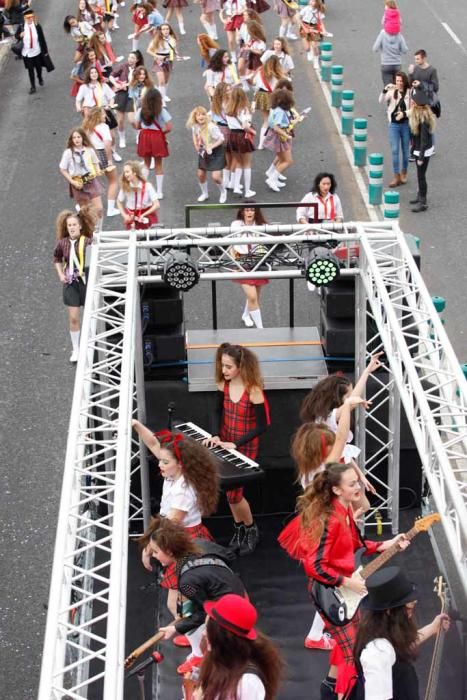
[[238, 177], [282, 30], [247, 179], [74, 335], [262, 134], [317, 628], [246, 311], [159, 182], [214, 31], [162, 90], [256, 316], [226, 177], [110, 205], [204, 187], [134, 44], [195, 638], [270, 170]]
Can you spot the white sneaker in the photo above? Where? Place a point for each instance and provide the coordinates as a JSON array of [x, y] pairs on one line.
[[223, 197], [121, 142], [292, 36], [248, 321], [115, 26], [309, 57], [167, 99], [182, 30], [122, 4], [159, 195], [113, 212], [74, 356], [203, 197], [249, 193], [281, 177], [280, 183], [272, 184], [117, 157], [238, 190]]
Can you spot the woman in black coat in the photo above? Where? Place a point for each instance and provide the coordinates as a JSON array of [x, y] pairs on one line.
[[34, 47]]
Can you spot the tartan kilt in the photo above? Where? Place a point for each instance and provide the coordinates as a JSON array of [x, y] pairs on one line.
[[169, 575]]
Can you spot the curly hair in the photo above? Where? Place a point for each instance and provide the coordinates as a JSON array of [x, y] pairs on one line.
[[315, 505], [246, 361], [171, 537], [317, 182], [395, 626], [283, 98], [325, 396], [86, 217], [205, 43], [200, 472], [216, 63], [309, 447], [229, 658], [259, 216], [148, 81]]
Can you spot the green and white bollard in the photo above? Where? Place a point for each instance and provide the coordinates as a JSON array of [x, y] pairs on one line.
[[337, 80], [359, 142], [326, 61], [391, 205], [375, 178], [347, 107], [440, 304]]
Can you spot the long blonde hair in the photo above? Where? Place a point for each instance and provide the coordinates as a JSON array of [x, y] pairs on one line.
[[419, 114], [92, 119]]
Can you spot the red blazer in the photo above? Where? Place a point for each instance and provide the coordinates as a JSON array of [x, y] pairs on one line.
[[332, 556]]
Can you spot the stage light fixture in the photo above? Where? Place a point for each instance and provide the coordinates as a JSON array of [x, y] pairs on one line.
[[180, 272], [321, 266]]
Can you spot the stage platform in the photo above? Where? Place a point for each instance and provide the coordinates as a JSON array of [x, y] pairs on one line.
[[291, 358], [277, 586]]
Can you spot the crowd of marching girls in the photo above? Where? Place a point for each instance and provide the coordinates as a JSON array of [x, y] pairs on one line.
[[113, 167]]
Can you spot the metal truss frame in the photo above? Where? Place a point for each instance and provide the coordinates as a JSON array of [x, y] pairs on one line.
[[105, 497]]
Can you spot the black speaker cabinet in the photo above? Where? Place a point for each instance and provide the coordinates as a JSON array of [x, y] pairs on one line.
[[338, 299], [338, 335]]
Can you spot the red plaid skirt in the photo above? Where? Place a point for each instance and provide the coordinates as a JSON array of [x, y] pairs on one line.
[[169, 577]]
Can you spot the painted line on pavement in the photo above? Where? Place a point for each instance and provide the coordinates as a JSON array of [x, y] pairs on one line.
[[375, 213], [451, 33]]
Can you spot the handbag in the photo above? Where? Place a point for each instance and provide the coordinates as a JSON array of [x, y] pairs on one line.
[[17, 48], [47, 62], [110, 119]]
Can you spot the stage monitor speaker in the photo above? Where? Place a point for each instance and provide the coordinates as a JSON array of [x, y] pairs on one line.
[[338, 335], [338, 299], [157, 313]]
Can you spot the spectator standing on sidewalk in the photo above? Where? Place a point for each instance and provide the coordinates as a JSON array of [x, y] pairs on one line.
[[34, 47], [424, 75], [422, 123], [391, 47], [397, 96]]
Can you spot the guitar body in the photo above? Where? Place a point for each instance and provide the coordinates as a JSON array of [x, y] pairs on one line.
[[338, 604]]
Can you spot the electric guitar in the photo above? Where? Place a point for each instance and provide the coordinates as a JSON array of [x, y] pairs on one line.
[[433, 678], [339, 604]]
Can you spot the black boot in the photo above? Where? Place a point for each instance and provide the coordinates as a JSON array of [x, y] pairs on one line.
[[237, 537], [415, 200], [250, 539], [421, 205], [327, 689]]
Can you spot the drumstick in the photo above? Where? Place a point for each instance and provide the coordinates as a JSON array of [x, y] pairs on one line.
[[130, 660]]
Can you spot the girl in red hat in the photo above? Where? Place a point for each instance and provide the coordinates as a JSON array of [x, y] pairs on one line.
[[242, 415], [242, 662]]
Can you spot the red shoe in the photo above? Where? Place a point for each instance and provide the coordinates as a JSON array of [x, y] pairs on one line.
[[326, 643], [189, 664], [181, 640]]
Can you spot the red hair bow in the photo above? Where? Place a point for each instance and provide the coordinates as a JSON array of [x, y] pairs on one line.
[[165, 436]]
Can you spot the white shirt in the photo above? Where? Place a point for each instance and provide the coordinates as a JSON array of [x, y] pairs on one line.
[[377, 660], [228, 75], [213, 134], [179, 495], [99, 143], [350, 451], [130, 201], [72, 163], [324, 209], [311, 15], [259, 82], [98, 95], [284, 58], [241, 121], [234, 7], [30, 49]]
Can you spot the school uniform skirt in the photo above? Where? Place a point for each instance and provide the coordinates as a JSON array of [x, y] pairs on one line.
[[140, 225], [233, 24], [283, 10], [123, 101], [102, 158], [263, 101], [215, 161], [169, 576], [152, 144], [309, 31], [74, 294], [163, 66], [177, 3], [90, 190], [273, 142], [239, 143], [208, 6]]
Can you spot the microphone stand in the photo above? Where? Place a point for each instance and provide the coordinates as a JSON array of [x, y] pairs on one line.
[[140, 670], [170, 412]]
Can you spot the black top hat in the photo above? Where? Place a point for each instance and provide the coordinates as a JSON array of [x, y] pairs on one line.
[[420, 97], [388, 588], [28, 11]]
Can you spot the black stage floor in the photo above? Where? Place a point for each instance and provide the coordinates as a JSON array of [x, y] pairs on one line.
[[277, 586]]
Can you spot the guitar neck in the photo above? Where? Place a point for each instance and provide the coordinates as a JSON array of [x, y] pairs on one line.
[[385, 556]]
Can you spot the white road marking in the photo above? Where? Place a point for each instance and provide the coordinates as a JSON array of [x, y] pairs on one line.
[[451, 33]]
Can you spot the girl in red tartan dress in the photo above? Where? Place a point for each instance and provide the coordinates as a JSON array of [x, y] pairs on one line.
[[324, 537], [190, 491], [242, 416]]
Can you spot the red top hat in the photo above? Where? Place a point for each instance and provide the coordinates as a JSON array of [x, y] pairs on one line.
[[235, 614]]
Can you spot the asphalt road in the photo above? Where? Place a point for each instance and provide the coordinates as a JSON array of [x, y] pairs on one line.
[[36, 378]]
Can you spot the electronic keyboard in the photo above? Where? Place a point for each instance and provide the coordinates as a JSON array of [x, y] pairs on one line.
[[234, 468]]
